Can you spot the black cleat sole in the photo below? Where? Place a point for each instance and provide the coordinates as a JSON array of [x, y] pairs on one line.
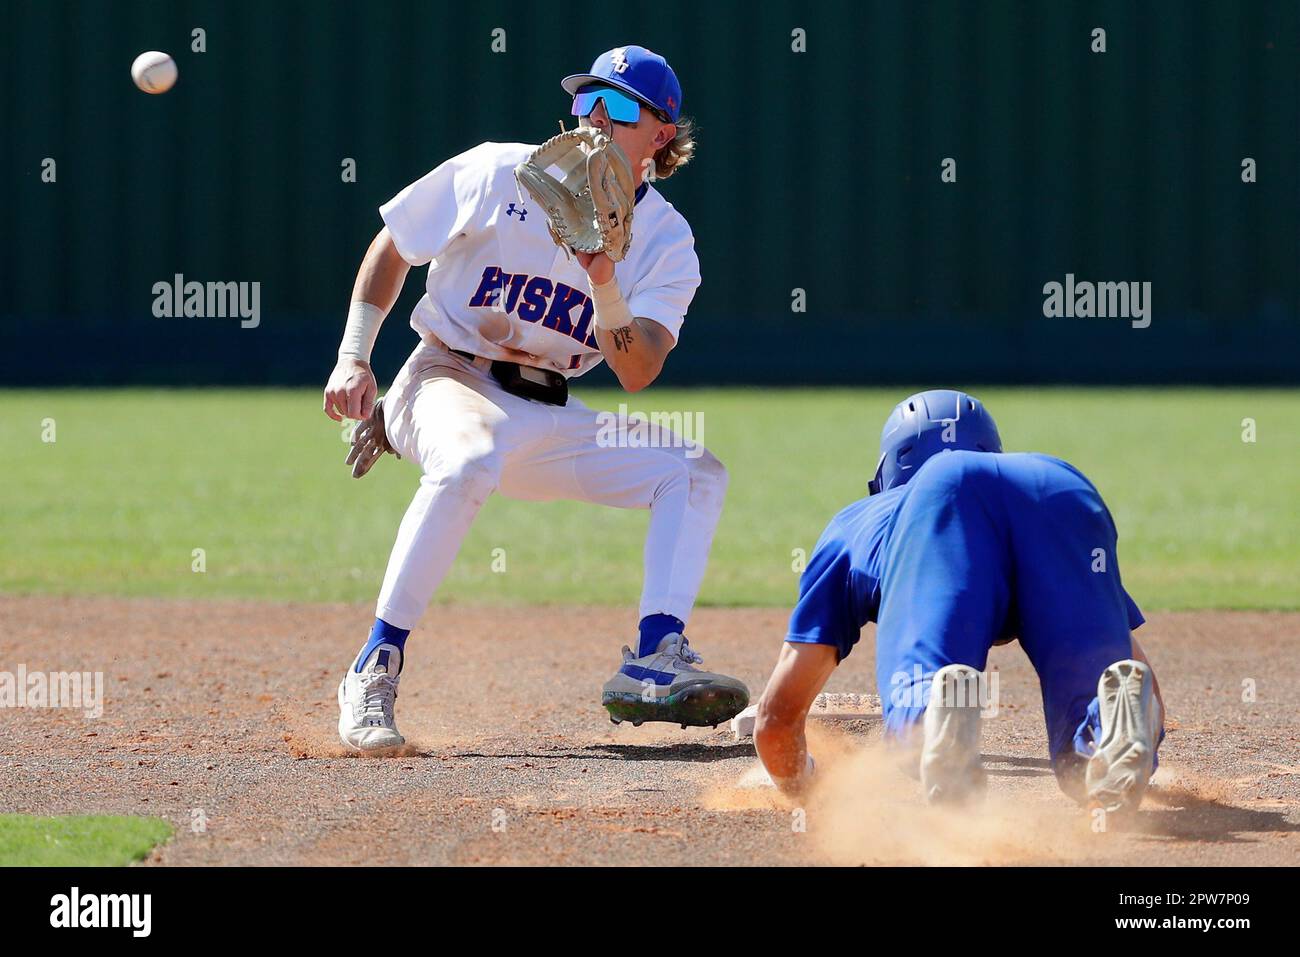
[[695, 706]]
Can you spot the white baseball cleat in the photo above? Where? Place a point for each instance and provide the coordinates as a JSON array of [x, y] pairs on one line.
[[1120, 769], [665, 686], [367, 699], [950, 755]]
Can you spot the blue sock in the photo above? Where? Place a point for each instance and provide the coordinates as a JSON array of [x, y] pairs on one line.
[[383, 634], [653, 629]]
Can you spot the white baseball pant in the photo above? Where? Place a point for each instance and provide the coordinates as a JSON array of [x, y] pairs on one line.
[[472, 438]]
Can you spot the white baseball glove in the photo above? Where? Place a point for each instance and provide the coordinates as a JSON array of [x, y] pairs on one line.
[[589, 209]]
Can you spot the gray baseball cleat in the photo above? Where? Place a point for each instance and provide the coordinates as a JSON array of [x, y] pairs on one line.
[[1120, 769], [367, 699], [951, 772], [664, 686]]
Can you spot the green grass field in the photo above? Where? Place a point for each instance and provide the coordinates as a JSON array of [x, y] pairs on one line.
[[137, 480], [77, 841]]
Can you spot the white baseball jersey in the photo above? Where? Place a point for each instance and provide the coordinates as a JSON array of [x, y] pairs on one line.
[[498, 285]]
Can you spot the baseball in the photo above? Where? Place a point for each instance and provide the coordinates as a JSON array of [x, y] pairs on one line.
[[154, 72]]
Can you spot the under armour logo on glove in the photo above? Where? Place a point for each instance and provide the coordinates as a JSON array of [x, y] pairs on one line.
[[523, 213]]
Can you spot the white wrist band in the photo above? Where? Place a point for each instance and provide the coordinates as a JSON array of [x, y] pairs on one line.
[[361, 330], [609, 308]]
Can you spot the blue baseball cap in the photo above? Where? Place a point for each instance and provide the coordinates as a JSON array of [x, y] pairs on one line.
[[637, 71]]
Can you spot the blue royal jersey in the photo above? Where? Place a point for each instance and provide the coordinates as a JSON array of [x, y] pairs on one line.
[[840, 590]]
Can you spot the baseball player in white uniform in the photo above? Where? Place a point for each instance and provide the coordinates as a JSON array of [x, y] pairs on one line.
[[482, 404]]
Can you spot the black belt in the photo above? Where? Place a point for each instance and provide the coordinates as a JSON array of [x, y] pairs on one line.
[[527, 382]]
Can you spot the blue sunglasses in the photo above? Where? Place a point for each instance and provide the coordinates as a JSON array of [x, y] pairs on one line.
[[620, 107]]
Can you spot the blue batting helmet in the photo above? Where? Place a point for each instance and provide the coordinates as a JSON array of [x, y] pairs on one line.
[[928, 423]]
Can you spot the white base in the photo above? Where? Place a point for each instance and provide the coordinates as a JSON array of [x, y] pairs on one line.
[[755, 777], [833, 706]]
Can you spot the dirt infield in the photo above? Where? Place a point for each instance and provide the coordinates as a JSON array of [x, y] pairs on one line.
[[223, 714]]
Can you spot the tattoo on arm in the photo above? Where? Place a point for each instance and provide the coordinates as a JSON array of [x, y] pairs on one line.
[[623, 339]]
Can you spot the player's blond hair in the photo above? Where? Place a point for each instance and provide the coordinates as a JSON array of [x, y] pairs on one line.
[[678, 152]]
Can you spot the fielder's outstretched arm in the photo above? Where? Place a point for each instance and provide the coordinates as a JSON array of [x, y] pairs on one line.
[[634, 347], [800, 674], [351, 390]]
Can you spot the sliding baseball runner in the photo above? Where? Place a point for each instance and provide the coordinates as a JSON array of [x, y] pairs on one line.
[[959, 547]]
